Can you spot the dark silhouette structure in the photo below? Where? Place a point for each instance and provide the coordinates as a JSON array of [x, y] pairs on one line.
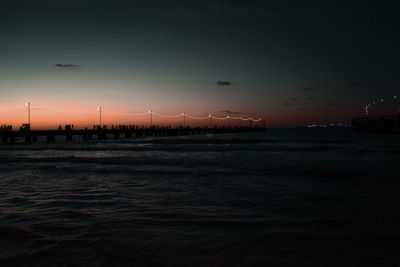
[[9, 136], [380, 123]]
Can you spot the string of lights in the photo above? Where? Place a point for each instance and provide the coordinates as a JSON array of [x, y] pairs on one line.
[[99, 109], [196, 118], [217, 118], [67, 111], [184, 115], [369, 106], [167, 116], [245, 119]]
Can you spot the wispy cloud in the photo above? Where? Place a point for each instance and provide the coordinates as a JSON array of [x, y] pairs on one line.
[[183, 12], [359, 84], [223, 83], [356, 84], [75, 66], [231, 112], [334, 104], [255, 8]]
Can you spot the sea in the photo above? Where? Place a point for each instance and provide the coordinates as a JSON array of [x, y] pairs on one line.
[[281, 197]]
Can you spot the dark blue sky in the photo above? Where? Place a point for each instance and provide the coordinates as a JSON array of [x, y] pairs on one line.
[[292, 62]]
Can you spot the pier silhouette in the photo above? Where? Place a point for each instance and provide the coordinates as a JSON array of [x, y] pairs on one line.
[[380, 123], [103, 132]]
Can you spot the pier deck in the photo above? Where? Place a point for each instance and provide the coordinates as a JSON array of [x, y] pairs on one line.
[[381, 123], [10, 137]]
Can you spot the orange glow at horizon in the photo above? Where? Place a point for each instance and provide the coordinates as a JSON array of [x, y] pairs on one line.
[[51, 116], [48, 114]]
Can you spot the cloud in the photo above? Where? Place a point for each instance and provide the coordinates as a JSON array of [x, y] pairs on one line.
[[352, 107], [334, 104], [356, 84], [306, 89], [286, 104], [231, 112], [183, 12], [223, 83], [254, 8], [249, 8], [359, 84], [74, 66]]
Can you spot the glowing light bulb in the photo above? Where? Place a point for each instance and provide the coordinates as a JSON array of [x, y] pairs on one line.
[[26, 104], [150, 111], [209, 115], [183, 113], [227, 116], [98, 108]]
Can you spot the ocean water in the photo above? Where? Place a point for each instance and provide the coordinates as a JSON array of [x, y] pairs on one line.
[[284, 197]]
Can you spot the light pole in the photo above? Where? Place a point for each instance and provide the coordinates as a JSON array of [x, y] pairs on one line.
[[184, 119], [151, 118], [28, 105], [210, 117], [99, 109]]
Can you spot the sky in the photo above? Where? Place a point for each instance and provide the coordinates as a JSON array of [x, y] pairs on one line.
[[289, 62]]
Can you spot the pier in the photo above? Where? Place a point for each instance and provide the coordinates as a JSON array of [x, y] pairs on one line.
[[379, 123], [32, 136]]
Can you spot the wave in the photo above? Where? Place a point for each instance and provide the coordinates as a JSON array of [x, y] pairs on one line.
[[187, 148], [193, 169]]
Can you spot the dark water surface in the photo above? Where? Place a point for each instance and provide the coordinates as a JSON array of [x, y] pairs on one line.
[[290, 197]]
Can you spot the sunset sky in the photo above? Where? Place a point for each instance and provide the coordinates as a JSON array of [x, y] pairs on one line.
[[289, 62]]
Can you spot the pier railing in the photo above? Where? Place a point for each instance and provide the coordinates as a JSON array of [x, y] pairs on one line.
[[382, 123], [32, 136]]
